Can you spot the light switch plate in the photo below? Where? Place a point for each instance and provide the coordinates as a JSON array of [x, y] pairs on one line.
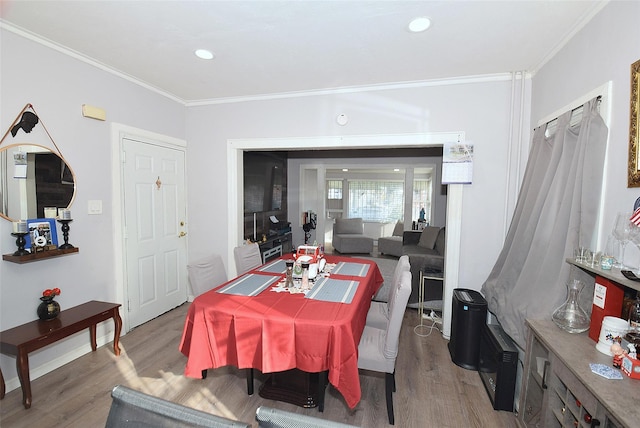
[[95, 207]]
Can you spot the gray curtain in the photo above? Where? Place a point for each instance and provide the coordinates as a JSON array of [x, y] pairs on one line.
[[557, 209]]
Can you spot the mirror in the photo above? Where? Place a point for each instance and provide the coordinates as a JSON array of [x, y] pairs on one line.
[[633, 179], [33, 177]]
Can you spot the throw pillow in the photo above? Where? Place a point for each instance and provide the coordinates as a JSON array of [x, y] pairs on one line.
[[399, 229], [428, 237]]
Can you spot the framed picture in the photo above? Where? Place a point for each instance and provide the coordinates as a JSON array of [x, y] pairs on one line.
[[42, 233]]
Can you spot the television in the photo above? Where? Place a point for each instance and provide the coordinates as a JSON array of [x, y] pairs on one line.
[[265, 190]]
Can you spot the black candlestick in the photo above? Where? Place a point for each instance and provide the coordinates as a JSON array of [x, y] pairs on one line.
[[20, 242], [65, 234]]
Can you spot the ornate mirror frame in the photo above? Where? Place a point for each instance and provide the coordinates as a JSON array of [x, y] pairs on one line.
[[633, 169]]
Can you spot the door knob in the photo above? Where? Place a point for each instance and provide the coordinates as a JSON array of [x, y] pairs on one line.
[[182, 234]]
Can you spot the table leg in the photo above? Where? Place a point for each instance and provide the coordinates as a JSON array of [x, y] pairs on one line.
[[22, 366], [1, 385], [116, 334], [92, 334]]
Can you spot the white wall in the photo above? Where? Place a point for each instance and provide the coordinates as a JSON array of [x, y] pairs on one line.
[[603, 51], [57, 86]]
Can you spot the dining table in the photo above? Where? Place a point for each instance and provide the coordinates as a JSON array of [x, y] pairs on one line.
[[255, 322]]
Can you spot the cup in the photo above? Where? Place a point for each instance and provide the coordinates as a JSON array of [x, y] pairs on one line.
[[581, 254], [612, 330]]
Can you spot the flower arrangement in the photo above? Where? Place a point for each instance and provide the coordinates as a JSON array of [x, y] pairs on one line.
[[50, 293]]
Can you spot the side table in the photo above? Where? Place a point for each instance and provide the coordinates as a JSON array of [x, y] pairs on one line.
[[25, 338], [424, 276]]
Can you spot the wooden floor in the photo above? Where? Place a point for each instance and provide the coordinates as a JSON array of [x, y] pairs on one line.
[[431, 390]]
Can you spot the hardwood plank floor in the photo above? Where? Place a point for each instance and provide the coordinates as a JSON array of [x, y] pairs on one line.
[[431, 390]]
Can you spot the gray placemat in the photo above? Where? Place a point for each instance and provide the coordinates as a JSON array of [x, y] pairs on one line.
[[276, 266], [351, 269], [249, 285], [333, 290]]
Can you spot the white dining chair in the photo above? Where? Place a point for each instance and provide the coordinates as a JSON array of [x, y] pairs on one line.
[[206, 274], [378, 315], [378, 348], [247, 257]]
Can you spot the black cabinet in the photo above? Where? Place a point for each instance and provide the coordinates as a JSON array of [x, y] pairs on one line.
[[276, 246]]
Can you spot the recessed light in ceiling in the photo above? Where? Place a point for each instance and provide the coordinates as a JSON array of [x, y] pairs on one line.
[[419, 24], [204, 54]]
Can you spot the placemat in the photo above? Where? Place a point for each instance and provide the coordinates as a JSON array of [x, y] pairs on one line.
[[249, 285], [333, 290], [276, 266], [350, 268]]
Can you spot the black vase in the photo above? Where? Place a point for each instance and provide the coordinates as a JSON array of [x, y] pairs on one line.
[[48, 309]]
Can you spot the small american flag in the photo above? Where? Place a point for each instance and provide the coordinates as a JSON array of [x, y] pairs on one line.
[[635, 217]]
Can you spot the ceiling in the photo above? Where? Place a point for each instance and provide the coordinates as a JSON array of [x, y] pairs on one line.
[[286, 48]]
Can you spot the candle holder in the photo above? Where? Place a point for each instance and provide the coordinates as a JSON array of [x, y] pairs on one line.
[[20, 242], [65, 234]]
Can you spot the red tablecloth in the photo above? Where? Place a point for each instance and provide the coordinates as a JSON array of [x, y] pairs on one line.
[[274, 332]]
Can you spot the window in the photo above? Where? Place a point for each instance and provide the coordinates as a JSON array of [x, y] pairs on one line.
[[374, 200], [334, 189], [421, 199]]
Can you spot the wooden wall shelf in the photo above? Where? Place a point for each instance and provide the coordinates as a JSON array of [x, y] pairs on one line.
[[33, 257]]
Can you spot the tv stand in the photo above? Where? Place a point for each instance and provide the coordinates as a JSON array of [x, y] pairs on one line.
[[275, 246]]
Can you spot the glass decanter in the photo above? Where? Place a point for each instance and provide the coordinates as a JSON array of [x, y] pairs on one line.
[[570, 316]]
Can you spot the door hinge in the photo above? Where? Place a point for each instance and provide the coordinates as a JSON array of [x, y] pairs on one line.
[[128, 305]]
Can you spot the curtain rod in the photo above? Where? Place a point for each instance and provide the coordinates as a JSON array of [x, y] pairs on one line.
[[573, 110]]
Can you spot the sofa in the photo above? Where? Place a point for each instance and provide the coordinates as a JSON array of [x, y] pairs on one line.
[[392, 245], [349, 237], [426, 252]]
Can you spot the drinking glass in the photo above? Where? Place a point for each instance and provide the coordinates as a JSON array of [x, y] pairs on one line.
[[622, 232]]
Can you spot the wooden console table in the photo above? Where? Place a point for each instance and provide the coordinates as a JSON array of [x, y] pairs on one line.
[[25, 338]]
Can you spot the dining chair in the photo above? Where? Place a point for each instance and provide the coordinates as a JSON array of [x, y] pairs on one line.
[[206, 274], [268, 417], [378, 348], [247, 257], [133, 408], [378, 315]]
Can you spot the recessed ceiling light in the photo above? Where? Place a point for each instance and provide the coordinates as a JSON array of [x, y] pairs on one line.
[[204, 54], [345, 169], [396, 169], [419, 24]]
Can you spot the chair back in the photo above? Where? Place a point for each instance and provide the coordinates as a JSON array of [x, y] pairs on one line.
[[247, 257], [268, 417], [397, 305], [136, 409], [206, 274], [402, 266]]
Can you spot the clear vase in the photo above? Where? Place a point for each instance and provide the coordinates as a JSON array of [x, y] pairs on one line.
[[570, 316]]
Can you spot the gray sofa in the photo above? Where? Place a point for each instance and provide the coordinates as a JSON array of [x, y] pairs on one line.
[[392, 245], [348, 236], [426, 251]]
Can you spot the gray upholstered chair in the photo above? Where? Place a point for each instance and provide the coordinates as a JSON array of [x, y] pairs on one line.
[[135, 409], [247, 257], [268, 417], [378, 348], [378, 315], [206, 274], [349, 237]]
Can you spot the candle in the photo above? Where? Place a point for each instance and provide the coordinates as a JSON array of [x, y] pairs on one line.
[[50, 212], [20, 227], [64, 214]]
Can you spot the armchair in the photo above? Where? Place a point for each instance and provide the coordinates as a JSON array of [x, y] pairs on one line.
[[349, 237]]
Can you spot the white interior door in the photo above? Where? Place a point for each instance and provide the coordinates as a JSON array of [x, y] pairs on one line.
[[155, 232]]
